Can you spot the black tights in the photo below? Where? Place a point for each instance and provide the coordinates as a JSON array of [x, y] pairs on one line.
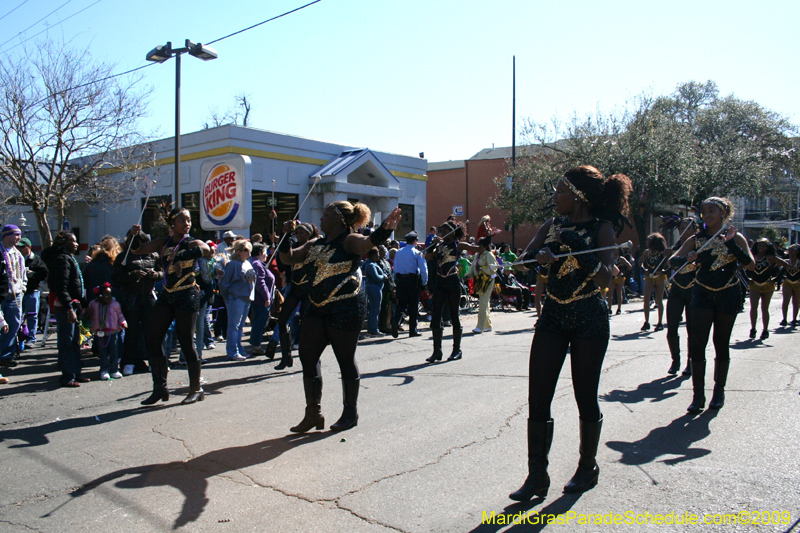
[[162, 316], [548, 351], [447, 291], [289, 306], [315, 336], [702, 320], [677, 302]]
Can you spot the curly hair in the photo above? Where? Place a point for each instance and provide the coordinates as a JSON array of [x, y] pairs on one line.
[[656, 241], [452, 227], [62, 238], [354, 216], [725, 205], [607, 197]]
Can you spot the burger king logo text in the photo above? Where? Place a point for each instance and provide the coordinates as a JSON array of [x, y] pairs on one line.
[[221, 194]]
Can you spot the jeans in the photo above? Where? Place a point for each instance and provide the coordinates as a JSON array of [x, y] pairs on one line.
[[237, 315], [30, 310], [208, 338], [374, 294], [109, 352], [12, 312], [200, 330], [260, 318], [69, 347]]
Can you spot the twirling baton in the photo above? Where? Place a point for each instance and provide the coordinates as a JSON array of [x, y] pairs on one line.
[[139, 223], [679, 238], [316, 180], [626, 244], [447, 235], [700, 250]]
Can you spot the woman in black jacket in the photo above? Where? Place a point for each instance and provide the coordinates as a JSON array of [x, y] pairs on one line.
[[67, 296]]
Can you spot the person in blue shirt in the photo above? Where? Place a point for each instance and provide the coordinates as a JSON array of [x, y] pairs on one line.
[[411, 276], [374, 278]]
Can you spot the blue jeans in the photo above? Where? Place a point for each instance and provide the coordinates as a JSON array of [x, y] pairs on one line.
[[69, 347], [260, 319], [208, 338], [12, 312], [200, 330], [30, 310], [237, 315], [373, 306], [109, 352]]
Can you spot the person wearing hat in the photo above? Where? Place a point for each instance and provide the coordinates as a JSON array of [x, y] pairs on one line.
[[36, 271], [410, 276], [14, 267], [228, 237]]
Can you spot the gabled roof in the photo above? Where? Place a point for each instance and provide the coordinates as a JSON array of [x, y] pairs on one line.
[[351, 160]]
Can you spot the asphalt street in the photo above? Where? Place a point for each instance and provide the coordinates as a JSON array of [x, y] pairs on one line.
[[437, 448]]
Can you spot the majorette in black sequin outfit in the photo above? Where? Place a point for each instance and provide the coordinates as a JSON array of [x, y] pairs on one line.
[[678, 303], [336, 306], [716, 296], [574, 318]]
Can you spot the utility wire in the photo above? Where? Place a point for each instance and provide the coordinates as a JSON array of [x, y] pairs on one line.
[[19, 6], [264, 22], [35, 23], [50, 27]]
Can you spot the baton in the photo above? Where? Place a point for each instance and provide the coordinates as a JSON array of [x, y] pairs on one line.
[[699, 250], [626, 244], [139, 223], [316, 180], [679, 238], [455, 230]]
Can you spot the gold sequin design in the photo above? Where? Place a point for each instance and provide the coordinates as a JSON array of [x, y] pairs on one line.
[[320, 256], [333, 297], [570, 265], [761, 266], [177, 268], [720, 251], [575, 295]]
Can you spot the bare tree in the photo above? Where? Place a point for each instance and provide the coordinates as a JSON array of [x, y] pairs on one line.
[[238, 112], [69, 131]]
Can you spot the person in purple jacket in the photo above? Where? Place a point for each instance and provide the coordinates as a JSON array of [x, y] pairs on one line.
[[265, 285]]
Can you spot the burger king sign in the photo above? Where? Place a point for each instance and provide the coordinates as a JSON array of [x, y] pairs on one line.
[[225, 193]]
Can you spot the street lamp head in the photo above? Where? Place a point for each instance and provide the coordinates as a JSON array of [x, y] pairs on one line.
[[206, 53], [159, 54]]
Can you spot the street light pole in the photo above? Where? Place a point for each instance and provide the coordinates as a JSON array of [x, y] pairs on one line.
[[159, 54]]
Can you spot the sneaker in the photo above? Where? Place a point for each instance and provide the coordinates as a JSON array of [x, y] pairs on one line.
[[237, 358], [259, 351], [477, 330], [753, 333], [104, 376], [127, 370], [3, 380], [784, 323], [487, 330], [116, 375], [764, 334], [220, 338], [211, 346]]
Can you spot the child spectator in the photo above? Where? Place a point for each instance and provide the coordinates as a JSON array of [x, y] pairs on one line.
[[107, 322]]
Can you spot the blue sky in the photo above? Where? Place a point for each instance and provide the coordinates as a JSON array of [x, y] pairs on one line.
[[428, 76]]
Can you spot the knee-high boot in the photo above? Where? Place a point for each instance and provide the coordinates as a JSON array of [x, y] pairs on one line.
[[158, 369], [286, 352], [698, 386], [456, 344], [196, 393], [588, 472], [720, 378], [349, 416], [540, 437], [313, 418], [675, 350], [437, 346]]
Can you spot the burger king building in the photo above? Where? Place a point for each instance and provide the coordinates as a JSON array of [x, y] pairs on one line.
[[233, 176]]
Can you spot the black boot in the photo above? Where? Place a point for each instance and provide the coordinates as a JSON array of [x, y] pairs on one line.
[[456, 344], [313, 418], [270, 349], [675, 350], [688, 370], [698, 386], [349, 416], [158, 369], [437, 346], [720, 378], [196, 393], [588, 472], [540, 437], [286, 352]]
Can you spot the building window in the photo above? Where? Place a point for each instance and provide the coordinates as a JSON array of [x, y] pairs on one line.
[[285, 207], [406, 223]]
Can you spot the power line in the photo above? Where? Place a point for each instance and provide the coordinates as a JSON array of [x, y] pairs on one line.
[[19, 6], [264, 22], [50, 27], [35, 23]]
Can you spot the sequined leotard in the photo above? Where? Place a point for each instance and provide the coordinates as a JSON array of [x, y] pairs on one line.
[[716, 284], [762, 278], [574, 304], [792, 275], [180, 286], [335, 284]]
